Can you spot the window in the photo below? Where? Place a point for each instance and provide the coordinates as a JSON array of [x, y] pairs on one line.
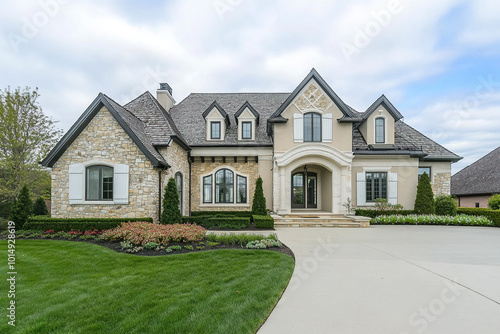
[[477, 205], [376, 186], [99, 183], [422, 170], [241, 189], [379, 130], [246, 130], [226, 187], [178, 183], [312, 127], [214, 130], [207, 189]]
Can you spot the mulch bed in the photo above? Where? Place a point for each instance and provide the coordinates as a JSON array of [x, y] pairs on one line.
[[117, 247]]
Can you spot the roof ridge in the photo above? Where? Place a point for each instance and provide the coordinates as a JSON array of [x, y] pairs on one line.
[[133, 100], [124, 108]]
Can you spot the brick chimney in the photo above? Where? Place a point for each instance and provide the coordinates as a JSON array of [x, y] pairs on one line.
[[164, 96]]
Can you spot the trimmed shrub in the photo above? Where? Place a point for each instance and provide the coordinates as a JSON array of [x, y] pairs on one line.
[[22, 208], [171, 213], [424, 202], [227, 222], [140, 233], [374, 213], [40, 208], [259, 201], [81, 224], [446, 206], [494, 202], [221, 213], [493, 215], [461, 220], [263, 221], [195, 220]]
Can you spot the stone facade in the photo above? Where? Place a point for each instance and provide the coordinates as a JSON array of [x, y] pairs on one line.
[[200, 169], [441, 184], [177, 158], [104, 141]]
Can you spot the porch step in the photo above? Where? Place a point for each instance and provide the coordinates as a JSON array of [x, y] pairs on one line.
[[320, 220]]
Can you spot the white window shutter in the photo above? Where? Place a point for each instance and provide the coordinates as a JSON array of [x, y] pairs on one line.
[[76, 184], [392, 187], [120, 184], [298, 128], [361, 189], [327, 127]]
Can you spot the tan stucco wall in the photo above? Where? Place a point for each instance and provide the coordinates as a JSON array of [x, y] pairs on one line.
[[103, 140], [470, 201], [200, 169], [367, 129], [405, 167], [440, 177], [341, 132]]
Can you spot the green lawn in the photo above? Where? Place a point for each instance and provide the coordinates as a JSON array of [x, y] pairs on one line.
[[76, 287]]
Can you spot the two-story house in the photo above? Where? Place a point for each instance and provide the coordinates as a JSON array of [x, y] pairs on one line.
[[313, 152]]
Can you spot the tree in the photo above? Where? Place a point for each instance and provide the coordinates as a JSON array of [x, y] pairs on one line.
[[26, 136], [494, 202], [22, 207], [259, 201], [424, 202], [446, 206], [40, 208], [171, 213]]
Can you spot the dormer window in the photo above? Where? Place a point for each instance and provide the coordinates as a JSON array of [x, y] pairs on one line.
[[380, 130], [246, 130], [247, 119], [215, 130]]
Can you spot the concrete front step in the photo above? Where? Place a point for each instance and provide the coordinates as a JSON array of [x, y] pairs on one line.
[[324, 220]]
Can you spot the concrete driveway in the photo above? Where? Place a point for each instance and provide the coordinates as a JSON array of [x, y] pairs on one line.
[[391, 279]]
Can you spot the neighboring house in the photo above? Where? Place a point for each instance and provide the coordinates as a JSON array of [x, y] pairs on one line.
[[475, 184], [312, 150]]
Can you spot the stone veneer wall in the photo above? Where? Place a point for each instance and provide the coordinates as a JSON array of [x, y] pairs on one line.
[[104, 140], [177, 158], [441, 184], [199, 168]]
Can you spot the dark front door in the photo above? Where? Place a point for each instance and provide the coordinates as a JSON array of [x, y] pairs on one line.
[[304, 190]]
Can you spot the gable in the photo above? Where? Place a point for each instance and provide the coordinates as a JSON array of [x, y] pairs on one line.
[[312, 99], [131, 125]]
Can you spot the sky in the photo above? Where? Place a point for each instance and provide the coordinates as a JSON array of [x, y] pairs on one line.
[[437, 61]]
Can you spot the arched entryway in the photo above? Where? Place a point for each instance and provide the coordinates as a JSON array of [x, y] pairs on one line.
[[304, 190]]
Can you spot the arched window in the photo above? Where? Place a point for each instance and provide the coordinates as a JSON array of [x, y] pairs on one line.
[[380, 130], [224, 186], [178, 183], [99, 183], [312, 127]]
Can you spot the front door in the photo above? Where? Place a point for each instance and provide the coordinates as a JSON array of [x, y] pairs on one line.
[[304, 190]]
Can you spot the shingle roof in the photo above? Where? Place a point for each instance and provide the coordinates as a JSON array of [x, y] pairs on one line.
[[137, 127], [158, 123], [187, 115], [482, 177]]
